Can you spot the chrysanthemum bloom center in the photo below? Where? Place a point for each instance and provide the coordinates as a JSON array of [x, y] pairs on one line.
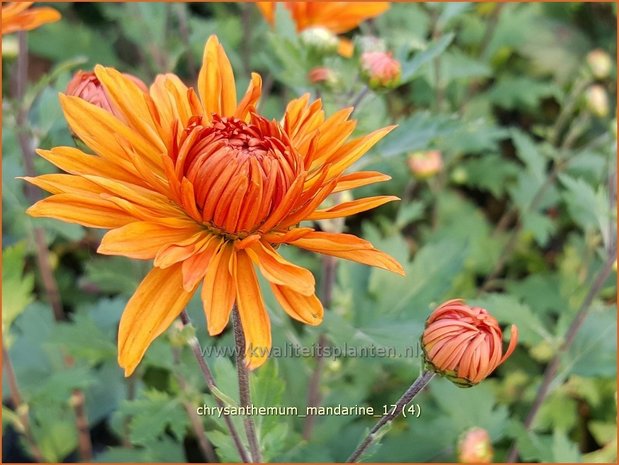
[[240, 172]]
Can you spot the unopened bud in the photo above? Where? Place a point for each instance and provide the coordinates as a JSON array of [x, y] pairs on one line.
[[599, 63], [474, 446], [597, 100], [380, 69], [10, 46], [323, 76], [424, 165], [320, 39], [86, 86]]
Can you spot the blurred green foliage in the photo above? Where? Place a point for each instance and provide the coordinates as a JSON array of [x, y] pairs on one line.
[[519, 220]]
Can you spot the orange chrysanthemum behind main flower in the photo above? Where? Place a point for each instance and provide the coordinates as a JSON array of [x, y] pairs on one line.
[[337, 17], [18, 16], [208, 189]]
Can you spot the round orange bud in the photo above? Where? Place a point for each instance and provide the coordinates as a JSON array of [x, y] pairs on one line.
[[85, 85], [463, 343], [380, 69], [474, 446], [425, 164]]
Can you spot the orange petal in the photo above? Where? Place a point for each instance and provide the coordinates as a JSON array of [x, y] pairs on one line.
[[349, 247], [93, 212], [74, 161], [359, 179], [254, 317], [158, 300], [352, 208], [143, 239], [218, 291], [16, 17], [304, 308], [250, 100], [195, 266], [345, 47], [268, 11], [280, 271], [216, 80]]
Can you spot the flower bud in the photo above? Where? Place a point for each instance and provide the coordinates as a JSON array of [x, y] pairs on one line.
[[474, 446], [380, 69], [597, 100], [320, 39], [86, 86], [424, 165], [599, 63], [10, 46], [464, 343], [323, 76]]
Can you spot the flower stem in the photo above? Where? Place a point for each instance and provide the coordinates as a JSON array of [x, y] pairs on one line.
[[410, 393], [244, 393], [210, 382], [205, 446], [18, 405]]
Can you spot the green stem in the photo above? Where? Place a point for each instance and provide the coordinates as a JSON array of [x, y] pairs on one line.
[[421, 382]]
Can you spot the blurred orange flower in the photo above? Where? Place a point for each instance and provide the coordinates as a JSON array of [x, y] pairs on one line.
[[337, 17], [209, 189], [85, 85], [17, 16], [464, 343]]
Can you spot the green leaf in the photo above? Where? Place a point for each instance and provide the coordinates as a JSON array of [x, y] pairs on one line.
[[20, 284], [521, 92], [594, 351], [152, 415], [588, 207], [490, 173], [411, 67]]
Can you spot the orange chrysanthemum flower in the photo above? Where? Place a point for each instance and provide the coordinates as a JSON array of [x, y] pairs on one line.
[[209, 189], [337, 17], [16, 16], [464, 343]]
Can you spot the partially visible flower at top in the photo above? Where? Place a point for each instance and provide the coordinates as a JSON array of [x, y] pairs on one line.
[[210, 189], [87, 86], [599, 63], [337, 17], [424, 165], [18, 16], [380, 69], [474, 446], [596, 99], [463, 343], [320, 39]]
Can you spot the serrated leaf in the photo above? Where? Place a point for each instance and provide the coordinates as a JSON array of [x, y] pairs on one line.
[[16, 284], [152, 415]]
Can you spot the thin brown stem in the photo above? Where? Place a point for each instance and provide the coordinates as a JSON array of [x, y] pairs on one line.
[[42, 253], [244, 390], [414, 389], [196, 349], [329, 266], [553, 367], [16, 400], [196, 423]]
